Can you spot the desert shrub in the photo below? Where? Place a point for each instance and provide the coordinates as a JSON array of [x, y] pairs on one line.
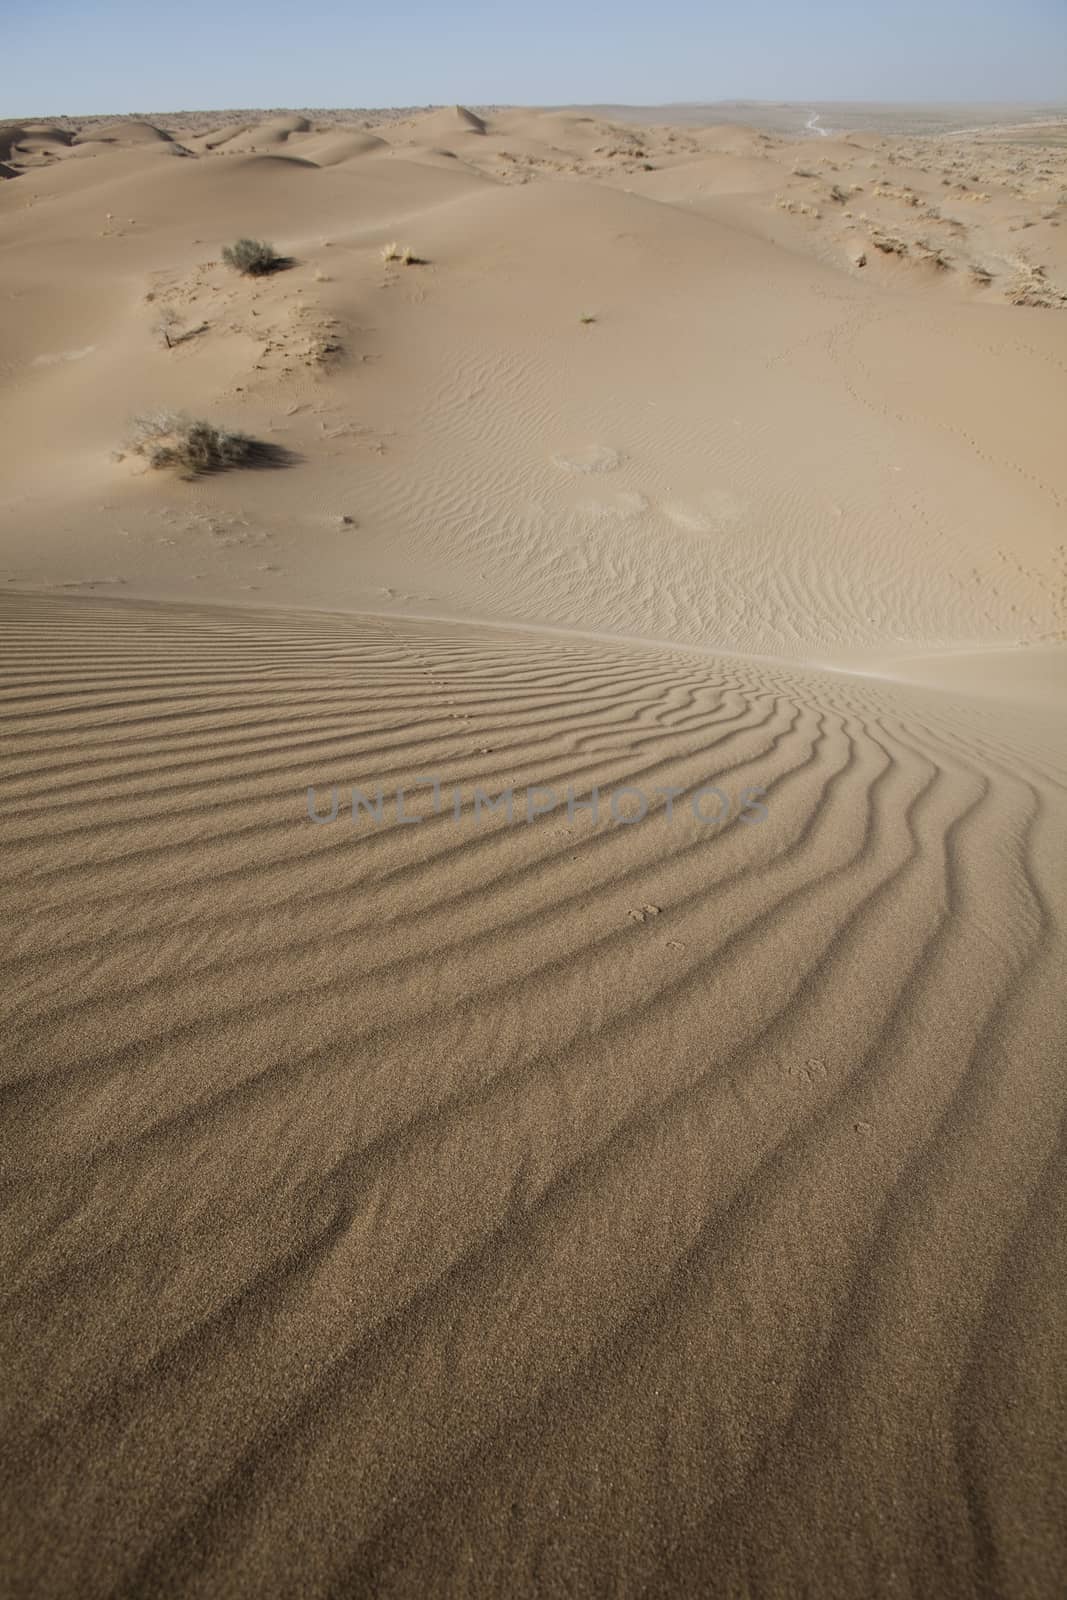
[[193, 446], [253, 256]]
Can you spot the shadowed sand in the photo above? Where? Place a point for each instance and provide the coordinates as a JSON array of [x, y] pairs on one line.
[[391, 1210], [564, 1207]]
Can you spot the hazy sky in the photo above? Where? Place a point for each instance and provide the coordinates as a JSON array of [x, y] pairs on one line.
[[77, 56]]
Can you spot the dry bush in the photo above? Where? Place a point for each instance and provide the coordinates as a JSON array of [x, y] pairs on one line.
[[166, 325], [168, 328], [253, 257], [193, 446]]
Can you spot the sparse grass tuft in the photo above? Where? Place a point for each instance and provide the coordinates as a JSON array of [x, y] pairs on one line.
[[253, 257], [193, 446], [586, 318], [402, 253]]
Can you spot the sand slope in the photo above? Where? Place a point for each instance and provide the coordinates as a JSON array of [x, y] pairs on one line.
[[472, 1208]]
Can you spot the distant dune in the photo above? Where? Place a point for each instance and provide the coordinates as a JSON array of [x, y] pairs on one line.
[[125, 130]]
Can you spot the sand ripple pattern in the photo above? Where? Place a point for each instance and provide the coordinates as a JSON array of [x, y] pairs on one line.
[[391, 1211]]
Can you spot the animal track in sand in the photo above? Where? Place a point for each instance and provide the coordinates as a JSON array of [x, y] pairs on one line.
[[62, 355], [593, 458], [812, 1069]]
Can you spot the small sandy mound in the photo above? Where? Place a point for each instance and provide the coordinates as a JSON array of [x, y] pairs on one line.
[[123, 131], [330, 149]]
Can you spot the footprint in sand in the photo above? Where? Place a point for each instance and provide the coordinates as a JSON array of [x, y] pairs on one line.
[[624, 506], [716, 511], [594, 458]]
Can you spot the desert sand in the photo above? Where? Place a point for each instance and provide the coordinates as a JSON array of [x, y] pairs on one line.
[[571, 1205]]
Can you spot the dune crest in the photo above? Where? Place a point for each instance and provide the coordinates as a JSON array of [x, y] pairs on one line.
[[469, 119]]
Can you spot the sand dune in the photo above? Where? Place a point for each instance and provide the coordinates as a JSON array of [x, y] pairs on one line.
[[263, 135], [327, 149], [723, 367], [125, 130], [629, 1204]]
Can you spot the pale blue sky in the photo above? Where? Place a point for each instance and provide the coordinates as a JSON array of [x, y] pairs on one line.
[[77, 56]]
